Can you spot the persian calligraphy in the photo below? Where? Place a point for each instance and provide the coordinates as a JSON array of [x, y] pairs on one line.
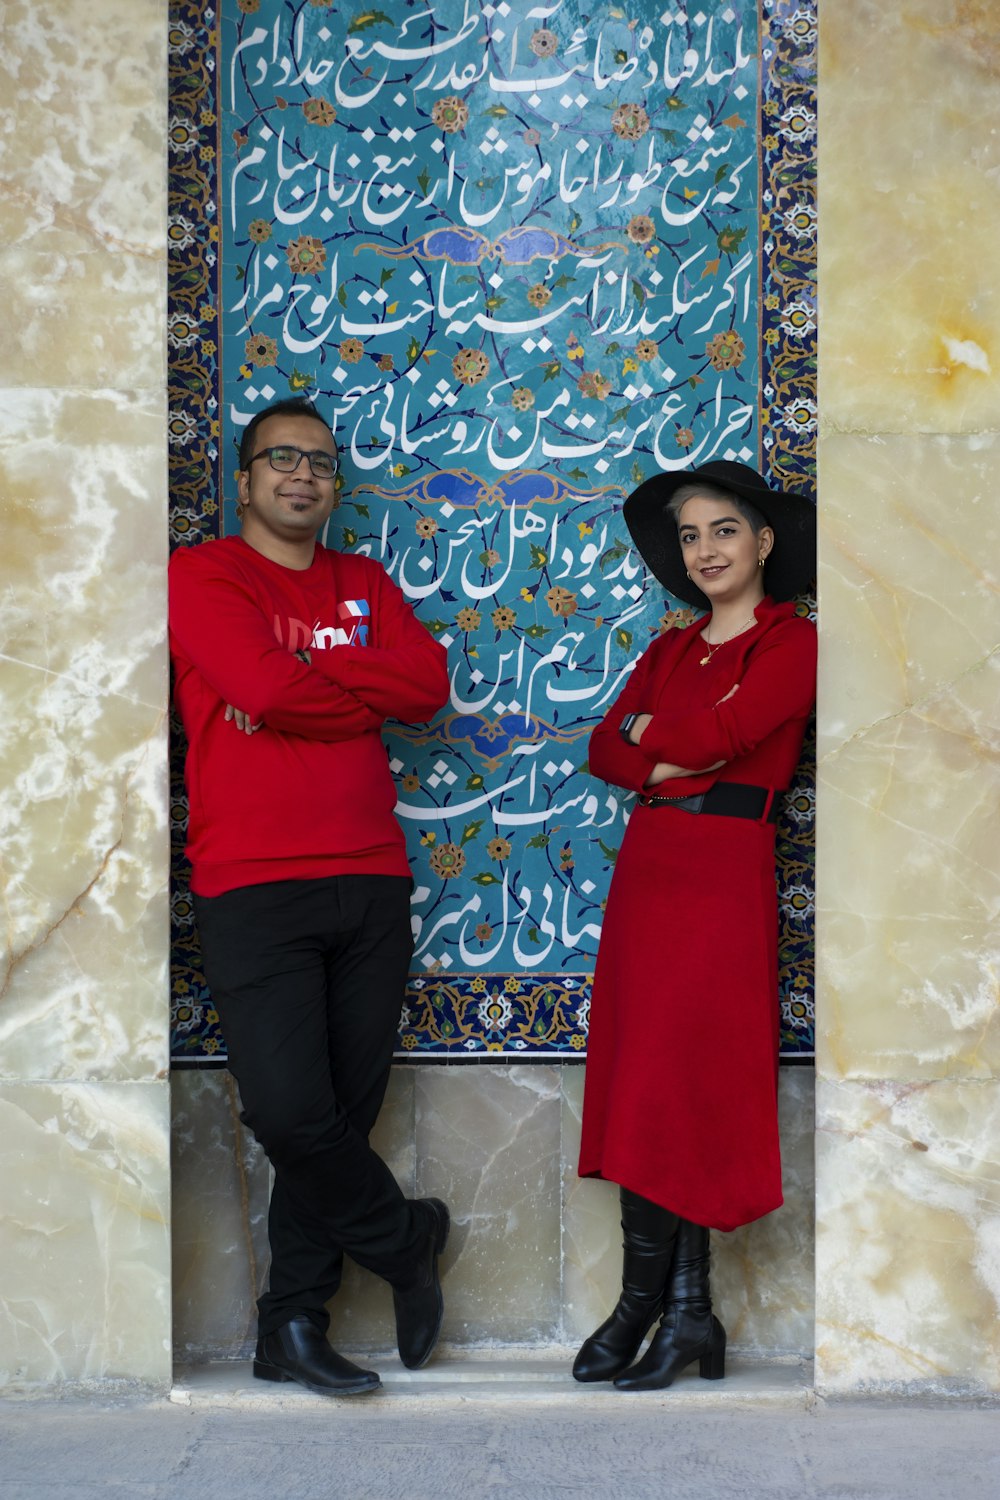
[[514, 253]]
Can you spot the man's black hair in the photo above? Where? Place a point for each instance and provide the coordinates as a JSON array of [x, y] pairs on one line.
[[292, 406]]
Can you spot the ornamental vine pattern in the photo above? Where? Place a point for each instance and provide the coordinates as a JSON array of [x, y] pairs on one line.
[[521, 260]]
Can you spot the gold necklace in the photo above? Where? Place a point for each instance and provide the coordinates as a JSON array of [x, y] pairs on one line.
[[713, 646]]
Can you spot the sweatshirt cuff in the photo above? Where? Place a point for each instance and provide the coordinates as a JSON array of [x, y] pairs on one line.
[[676, 742]]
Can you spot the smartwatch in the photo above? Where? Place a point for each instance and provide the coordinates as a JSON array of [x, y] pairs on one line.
[[625, 728]]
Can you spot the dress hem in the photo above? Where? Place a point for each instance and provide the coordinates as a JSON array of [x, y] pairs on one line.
[[687, 1211]]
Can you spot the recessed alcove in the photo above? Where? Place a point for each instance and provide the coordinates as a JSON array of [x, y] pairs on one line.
[[906, 1075], [669, 308]]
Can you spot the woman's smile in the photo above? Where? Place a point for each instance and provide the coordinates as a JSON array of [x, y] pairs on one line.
[[720, 551]]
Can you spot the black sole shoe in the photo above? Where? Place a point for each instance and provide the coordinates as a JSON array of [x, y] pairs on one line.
[[298, 1351], [363, 1384], [612, 1347], [420, 1306], [665, 1358]]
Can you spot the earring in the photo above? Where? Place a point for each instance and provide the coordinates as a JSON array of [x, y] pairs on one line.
[[241, 511], [760, 562], [687, 573]]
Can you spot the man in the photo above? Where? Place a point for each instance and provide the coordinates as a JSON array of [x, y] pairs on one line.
[[288, 658]]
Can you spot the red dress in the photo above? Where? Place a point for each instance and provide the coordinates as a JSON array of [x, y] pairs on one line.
[[680, 1103]]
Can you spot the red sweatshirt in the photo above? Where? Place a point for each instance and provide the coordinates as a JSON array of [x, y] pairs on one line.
[[310, 794]]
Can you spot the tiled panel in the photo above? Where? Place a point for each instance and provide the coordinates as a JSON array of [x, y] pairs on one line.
[[593, 261]]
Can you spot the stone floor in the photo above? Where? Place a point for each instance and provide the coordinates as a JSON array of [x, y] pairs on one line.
[[495, 1426]]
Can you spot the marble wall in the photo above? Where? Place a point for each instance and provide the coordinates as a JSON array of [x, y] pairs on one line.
[[84, 1108], [535, 1254], [908, 1097]]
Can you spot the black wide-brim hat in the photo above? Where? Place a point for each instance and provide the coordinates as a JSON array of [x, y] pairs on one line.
[[791, 566]]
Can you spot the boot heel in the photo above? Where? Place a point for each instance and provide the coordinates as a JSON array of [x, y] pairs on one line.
[[264, 1371], [712, 1364]]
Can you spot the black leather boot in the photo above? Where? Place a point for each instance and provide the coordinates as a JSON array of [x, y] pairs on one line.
[[648, 1233], [417, 1300], [688, 1330], [299, 1351]]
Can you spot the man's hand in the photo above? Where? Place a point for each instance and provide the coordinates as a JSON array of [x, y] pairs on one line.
[[242, 720]]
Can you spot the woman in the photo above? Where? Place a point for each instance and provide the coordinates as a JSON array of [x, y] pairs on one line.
[[680, 1105]]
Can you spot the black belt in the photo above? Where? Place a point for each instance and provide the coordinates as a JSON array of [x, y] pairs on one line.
[[726, 799]]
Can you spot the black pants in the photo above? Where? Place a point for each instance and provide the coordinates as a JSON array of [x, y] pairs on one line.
[[308, 978]]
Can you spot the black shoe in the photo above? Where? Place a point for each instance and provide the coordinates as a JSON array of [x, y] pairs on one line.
[[418, 1300], [299, 1351], [683, 1337], [688, 1330], [648, 1235], [611, 1348]]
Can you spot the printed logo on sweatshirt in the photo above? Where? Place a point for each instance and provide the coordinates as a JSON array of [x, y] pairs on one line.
[[355, 622], [355, 615]]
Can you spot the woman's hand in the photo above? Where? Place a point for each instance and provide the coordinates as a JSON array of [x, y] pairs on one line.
[[663, 771], [635, 733]]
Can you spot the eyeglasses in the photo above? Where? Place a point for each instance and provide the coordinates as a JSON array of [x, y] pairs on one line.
[[286, 460]]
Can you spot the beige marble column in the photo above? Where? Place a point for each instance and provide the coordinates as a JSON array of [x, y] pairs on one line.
[[908, 1099], [84, 1160]]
